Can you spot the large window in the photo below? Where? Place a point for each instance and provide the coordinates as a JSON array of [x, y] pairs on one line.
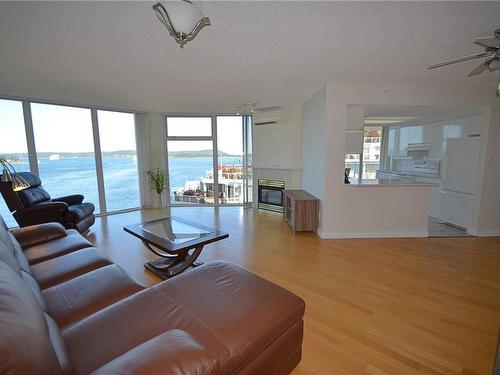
[[119, 160], [65, 150], [12, 144], [68, 157], [198, 146], [230, 153], [190, 166]]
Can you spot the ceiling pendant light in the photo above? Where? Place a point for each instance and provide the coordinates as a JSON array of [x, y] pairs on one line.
[[182, 18]]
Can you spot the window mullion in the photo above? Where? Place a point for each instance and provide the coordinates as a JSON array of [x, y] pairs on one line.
[[98, 161], [30, 137], [215, 161]]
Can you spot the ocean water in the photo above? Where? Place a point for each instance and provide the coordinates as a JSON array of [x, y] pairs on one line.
[[77, 175]]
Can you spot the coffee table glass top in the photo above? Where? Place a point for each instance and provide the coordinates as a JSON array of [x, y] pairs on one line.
[[175, 231], [174, 235]]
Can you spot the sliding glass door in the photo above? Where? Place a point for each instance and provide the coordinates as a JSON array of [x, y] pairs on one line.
[[207, 159]]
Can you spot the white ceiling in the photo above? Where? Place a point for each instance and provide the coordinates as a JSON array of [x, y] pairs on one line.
[[418, 114], [276, 53]]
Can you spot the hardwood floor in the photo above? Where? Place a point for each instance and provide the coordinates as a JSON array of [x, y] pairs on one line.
[[375, 306]]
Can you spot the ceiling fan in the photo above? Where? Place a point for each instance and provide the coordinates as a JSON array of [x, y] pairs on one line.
[[491, 54]]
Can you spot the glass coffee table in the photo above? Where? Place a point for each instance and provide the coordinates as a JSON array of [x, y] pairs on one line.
[[177, 241]]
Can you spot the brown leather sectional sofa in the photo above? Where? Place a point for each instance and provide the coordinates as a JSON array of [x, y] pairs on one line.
[[66, 309]]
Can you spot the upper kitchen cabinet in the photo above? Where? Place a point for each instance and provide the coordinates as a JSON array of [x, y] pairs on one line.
[[433, 135], [415, 134], [392, 141], [404, 136], [475, 125]]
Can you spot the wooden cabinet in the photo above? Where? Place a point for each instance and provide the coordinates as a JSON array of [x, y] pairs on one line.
[[300, 210]]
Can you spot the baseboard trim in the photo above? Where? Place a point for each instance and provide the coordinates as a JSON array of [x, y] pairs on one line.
[[333, 235], [488, 233]]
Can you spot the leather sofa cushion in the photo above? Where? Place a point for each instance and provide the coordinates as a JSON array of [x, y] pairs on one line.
[[75, 299], [44, 251], [58, 345], [128, 324], [7, 256], [171, 352], [7, 250], [247, 313], [81, 211], [20, 257], [66, 267], [37, 234], [34, 195], [25, 345], [35, 289]]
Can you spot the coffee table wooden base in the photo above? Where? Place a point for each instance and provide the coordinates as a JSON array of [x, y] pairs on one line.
[[170, 265]]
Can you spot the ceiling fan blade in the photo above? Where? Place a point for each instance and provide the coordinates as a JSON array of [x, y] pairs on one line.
[[488, 42], [479, 69], [460, 59]]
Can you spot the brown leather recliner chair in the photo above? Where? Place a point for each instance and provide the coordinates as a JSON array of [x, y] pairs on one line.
[[34, 206]]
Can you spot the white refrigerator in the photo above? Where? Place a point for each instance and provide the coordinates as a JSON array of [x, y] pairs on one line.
[[459, 182]]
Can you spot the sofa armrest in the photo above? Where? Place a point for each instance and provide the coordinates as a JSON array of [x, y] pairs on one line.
[[37, 234], [172, 352], [70, 200]]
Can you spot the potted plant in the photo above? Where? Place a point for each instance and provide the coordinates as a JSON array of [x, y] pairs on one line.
[[158, 182]]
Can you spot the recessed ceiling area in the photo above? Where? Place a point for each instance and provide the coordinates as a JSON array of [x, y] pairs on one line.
[[118, 54], [404, 115]]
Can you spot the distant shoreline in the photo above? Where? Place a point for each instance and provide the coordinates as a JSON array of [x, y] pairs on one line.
[[122, 153]]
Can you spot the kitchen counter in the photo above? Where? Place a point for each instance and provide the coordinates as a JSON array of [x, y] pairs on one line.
[[399, 182], [411, 173]]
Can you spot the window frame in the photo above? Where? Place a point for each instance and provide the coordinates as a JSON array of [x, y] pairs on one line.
[[215, 155], [33, 156]]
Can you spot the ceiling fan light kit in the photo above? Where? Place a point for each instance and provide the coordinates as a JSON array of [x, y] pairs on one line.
[[183, 19], [491, 54]]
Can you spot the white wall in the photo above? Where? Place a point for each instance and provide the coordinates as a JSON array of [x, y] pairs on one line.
[[313, 147], [313, 144], [350, 211], [157, 149], [489, 205], [279, 146]]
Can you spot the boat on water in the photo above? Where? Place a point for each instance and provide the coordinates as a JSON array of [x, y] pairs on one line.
[[54, 157]]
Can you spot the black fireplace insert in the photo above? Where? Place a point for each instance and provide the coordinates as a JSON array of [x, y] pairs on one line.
[[270, 194]]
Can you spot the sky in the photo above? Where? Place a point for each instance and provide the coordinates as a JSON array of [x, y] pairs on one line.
[[54, 125], [229, 133]]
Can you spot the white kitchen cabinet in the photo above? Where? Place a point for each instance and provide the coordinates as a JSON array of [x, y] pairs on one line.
[[456, 208], [435, 207], [404, 134], [415, 134], [391, 142], [433, 135], [475, 125]]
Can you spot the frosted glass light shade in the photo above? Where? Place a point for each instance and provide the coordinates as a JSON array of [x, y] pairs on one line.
[[184, 16], [183, 19]]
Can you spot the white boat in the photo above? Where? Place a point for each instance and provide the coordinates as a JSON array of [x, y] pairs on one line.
[[54, 157]]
